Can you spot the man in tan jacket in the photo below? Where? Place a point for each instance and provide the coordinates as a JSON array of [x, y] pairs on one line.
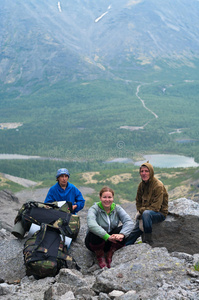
[[151, 204]]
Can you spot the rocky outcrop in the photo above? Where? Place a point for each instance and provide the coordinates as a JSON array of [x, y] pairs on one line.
[[180, 231], [139, 271], [9, 206]]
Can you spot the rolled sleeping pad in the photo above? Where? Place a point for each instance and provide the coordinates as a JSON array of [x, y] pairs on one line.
[[18, 230]]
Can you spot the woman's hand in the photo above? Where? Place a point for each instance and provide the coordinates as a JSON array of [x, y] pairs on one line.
[[114, 238], [119, 237]]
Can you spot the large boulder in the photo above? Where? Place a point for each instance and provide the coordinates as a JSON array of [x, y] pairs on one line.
[[180, 231], [152, 273], [9, 205]]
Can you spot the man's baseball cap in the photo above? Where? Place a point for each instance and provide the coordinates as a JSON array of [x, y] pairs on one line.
[[62, 171]]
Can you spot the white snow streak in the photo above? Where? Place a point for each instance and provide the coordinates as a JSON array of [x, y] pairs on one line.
[[96, 20], [59, 6]]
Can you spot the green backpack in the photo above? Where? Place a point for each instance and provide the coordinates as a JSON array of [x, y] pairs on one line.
[[48, 213], [45, 253]]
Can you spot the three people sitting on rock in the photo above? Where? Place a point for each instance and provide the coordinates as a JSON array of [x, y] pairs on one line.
[[105, 233]]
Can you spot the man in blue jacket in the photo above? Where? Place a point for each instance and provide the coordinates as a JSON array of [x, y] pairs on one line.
[[65, 191]]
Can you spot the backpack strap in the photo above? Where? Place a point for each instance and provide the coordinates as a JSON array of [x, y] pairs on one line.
[[40, 236], [43, 235]]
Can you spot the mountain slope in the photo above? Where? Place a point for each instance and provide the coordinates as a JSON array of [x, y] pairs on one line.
[[74, 76], [49, 40]]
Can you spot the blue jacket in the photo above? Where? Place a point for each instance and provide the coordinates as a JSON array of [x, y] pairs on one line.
[[71, 193]]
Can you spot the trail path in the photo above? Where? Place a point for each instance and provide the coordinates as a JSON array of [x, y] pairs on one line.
[[143, 103]]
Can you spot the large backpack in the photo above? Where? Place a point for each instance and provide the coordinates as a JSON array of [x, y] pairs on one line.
[[49, 213], [45, 253]]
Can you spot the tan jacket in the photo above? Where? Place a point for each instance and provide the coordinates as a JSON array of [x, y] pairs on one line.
[[152, 195]]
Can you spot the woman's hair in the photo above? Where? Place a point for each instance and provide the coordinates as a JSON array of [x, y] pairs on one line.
[[106, 189]]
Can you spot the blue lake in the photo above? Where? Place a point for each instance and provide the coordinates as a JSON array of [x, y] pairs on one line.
[[157, 160], [169, 161], [18, 156]]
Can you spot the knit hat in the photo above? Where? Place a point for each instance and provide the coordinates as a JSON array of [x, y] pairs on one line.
[[62, 171]]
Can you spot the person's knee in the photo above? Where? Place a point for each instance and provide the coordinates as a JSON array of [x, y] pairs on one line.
[[146, 214]]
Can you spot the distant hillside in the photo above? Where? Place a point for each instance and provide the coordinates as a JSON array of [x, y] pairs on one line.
[[179, 183], [45, 41]]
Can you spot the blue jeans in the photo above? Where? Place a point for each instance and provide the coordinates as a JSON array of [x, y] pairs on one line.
[[149, 217]]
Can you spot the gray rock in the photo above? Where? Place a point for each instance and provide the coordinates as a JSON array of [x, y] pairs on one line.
[[184, 207], [131, 295], [68, 295], [180, 231], [55, 291], [9, 204], [6, 195], [84, 291], [103, 296], [139, 271], [11, 263], [74, 278], [115, 294]]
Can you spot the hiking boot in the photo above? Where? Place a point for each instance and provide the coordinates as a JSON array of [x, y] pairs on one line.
[[102, 261], [147, 238], [109, 255], [99, 252]]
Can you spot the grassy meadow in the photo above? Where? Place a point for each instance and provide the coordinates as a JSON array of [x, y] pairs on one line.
[[123, 178]]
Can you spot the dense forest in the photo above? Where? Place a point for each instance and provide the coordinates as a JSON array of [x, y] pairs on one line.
[[96, 120]]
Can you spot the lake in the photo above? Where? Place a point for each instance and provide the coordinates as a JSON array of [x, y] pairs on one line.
[[157, 160], [19, 156], [169, 161]]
